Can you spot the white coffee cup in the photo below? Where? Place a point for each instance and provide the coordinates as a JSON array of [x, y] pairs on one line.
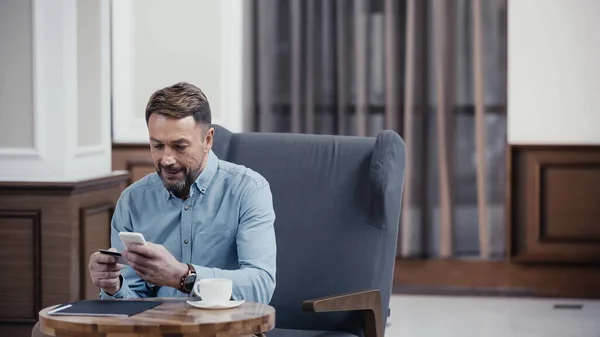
[[214, 290]]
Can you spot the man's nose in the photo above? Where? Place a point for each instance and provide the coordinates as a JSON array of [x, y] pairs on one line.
[[168, 160]]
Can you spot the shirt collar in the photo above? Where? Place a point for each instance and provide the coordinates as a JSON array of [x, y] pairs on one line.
[[206, 176]]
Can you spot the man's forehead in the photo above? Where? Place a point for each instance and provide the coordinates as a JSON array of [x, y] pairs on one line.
[[162, 122], [170, 139], [166, 129]]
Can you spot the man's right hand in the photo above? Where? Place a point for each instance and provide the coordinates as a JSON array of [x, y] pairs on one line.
[[105, 271]]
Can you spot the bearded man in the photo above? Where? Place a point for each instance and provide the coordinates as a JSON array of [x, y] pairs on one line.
[[202, 217]]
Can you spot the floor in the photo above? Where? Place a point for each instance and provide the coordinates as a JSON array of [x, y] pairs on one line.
[[447, 316]]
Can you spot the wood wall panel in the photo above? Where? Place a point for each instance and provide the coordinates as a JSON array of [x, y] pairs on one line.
[[94, 234], [134, 158], [55, 231], [15, 330], [570, 203], [140, 170], [59, 207], [554, 204], [553, 231], [471, 277], [20, 284]]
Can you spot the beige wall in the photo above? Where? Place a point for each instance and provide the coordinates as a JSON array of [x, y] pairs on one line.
[[16, 74], [176, 40], [553, 72], [158, 43]]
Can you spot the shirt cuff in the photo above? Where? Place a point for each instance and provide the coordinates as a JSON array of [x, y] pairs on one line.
[[203, 272], [119, 294]]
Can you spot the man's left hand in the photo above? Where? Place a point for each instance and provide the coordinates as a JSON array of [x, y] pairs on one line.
[[155, 264]]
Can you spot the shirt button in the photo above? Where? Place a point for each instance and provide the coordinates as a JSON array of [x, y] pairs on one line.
[[186, 207], [185, 241]]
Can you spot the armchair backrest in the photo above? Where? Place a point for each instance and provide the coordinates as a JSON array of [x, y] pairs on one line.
[[337, 200]]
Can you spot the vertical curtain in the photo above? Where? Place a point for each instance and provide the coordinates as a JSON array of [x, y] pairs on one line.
[[432, 70]]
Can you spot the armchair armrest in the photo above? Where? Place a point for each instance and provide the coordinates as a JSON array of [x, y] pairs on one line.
[[368, 302]]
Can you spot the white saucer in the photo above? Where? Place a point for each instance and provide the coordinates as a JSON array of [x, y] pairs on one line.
[[221, 305]]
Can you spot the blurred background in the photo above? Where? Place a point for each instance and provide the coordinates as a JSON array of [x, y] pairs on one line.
[[495, 100], [358, 67]]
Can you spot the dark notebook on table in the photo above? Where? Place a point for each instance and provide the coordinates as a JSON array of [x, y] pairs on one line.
[[109, 308]]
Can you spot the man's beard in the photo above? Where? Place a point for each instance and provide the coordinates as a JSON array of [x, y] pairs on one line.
[[181, 187]]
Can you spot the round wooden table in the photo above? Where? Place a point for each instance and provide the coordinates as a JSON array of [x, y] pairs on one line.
[[174, 317]]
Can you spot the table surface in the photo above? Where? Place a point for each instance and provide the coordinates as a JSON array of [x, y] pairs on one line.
[[174, 317]]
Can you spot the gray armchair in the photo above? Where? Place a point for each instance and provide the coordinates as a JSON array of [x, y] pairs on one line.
[[337, 201]]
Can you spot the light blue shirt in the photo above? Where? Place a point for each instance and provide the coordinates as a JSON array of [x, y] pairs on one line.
[[225, 229]]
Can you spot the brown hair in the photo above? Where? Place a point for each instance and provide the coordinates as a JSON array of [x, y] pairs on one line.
[[180, 100]]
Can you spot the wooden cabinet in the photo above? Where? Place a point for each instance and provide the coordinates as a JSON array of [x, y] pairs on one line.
[[47, 233], [134, 158], [554, 204]]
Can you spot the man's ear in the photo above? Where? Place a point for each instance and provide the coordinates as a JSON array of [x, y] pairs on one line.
[[208, 139]]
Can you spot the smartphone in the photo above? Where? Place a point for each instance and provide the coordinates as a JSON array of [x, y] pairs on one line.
[[120, 258], [128, 238]]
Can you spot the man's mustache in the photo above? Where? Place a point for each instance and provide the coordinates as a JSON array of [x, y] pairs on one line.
[[171, 168]]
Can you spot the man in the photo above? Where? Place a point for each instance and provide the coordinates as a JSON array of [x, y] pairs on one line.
[[202, 217]]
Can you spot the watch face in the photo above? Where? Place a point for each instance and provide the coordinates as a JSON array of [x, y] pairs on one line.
[[188, 283]]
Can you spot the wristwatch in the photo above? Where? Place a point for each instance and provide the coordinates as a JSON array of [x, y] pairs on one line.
[[186, 284]]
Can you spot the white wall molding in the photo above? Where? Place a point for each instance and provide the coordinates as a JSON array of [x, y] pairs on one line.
[[29, 152], [91, 160], [39, 106], [86, 151], [55, 156], [105, 95], [127, 127], [34, 153], [69, 89]]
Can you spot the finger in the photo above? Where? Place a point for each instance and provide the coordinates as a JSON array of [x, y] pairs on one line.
[[106, 274], [108, 283], [98, 267], [136, 259], [103, 258], [145, 273], [140, 269], [148, 250], [142, 275]]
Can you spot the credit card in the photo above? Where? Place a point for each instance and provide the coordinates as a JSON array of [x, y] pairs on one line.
[[120, 258]]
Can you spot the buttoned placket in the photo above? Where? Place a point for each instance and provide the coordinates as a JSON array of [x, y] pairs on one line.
[[187, 220]]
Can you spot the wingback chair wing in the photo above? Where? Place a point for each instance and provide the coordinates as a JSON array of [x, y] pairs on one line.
[[337, 202]]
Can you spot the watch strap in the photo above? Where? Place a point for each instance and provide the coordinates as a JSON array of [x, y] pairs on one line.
[[191, 270]]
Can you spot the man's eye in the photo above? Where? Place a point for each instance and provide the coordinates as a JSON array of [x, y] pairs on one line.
[[180, 147], [158, 146]]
